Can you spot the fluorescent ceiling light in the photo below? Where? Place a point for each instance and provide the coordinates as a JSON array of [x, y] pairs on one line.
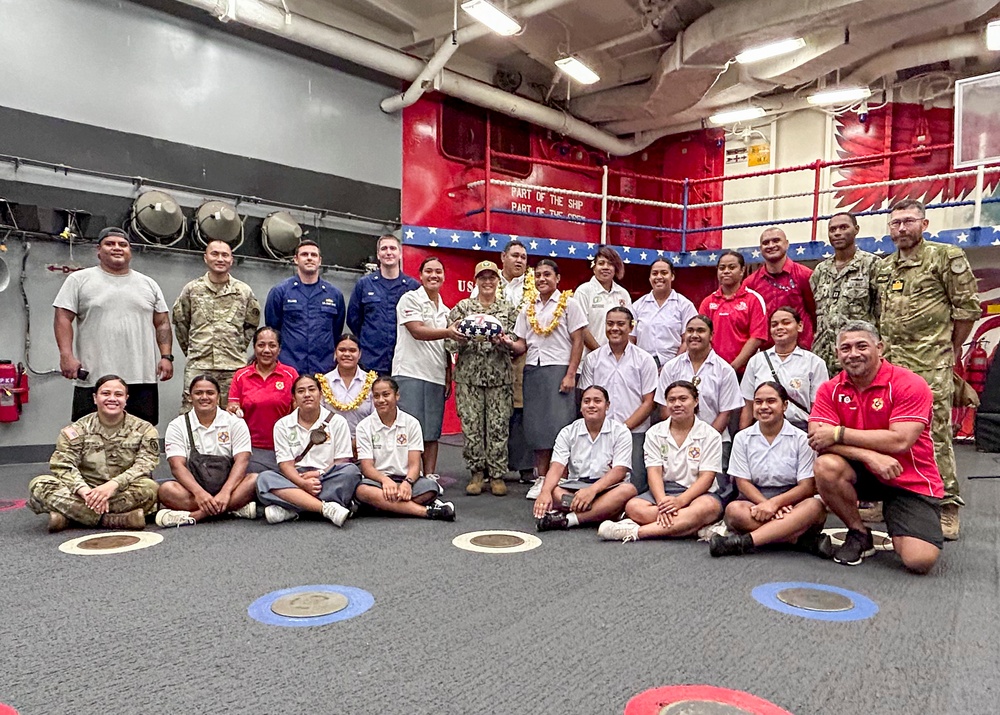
[[993, 36], [841, 95], [773, 49], [737, 115], [577, 70], [491, 16]]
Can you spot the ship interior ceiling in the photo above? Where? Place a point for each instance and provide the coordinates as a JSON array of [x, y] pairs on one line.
[[342, 120]]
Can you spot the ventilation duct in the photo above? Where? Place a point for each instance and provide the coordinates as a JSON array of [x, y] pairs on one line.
[[157, 218], [218, 221], [280, 234]]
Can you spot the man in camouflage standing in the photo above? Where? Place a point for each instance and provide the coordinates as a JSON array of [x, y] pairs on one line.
[[927, 304], [214, 318], [843, 287]]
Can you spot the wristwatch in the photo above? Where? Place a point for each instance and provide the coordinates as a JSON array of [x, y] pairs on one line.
[[168, 356], [411, 483]]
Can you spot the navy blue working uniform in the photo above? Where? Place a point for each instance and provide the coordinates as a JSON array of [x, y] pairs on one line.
[[371, 316], [309, 318]]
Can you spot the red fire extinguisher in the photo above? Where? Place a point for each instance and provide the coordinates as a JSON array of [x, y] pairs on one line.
[[977, 364], [13, 390]]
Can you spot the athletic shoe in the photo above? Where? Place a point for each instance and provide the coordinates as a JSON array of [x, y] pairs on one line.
[[335, 512], [276, 514], [815, 542], [625, 531], [498, 488], [441, 510], [730, 545], [526, 476], [857, 546], [475, 486], [536, 489], [174, 517], [57, 522], [950, 522], [134, 520], [551, 521], [247, 512]]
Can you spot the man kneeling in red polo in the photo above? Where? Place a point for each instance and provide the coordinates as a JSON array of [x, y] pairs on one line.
[[871, 426]]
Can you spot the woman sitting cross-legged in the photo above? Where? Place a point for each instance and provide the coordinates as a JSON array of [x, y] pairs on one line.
[[683, 455], [202, 488], [772, 463], [313, 449], [587, 478], [390, 446]]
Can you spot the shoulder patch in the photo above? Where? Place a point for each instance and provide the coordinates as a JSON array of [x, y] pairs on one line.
[[71, 432], [959, 265]]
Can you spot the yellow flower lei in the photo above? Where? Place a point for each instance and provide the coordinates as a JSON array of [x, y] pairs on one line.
[[342, 406], [531, 295]]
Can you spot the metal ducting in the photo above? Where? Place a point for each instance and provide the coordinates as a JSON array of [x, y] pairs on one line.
[[4, 275], [157, 218], [218, 221], [280, 234]]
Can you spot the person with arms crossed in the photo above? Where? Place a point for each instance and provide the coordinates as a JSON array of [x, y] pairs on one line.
[[122, 328], [782, 281], [661, 314], [737, 313], [308, 313], [871, 425], [371, 314]]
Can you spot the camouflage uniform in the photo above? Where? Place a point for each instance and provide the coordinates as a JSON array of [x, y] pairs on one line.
[[214, 325], [919, 298], [847, 294], [88, 455], [483, 390]]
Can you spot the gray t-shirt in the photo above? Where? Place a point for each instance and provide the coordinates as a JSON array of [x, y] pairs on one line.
[[114, 329]]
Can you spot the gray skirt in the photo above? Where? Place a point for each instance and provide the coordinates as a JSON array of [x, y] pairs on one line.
[[546, 410], [262, 460], [673, 489], [425, 401], [770, 492], [422, 486], [337, 485]]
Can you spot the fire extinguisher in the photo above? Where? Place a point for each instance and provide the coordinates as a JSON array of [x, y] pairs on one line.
[[977, 364], [13, 390]]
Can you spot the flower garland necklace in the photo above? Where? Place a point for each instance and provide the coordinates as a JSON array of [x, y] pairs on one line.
[[531, 295], [370, 377]]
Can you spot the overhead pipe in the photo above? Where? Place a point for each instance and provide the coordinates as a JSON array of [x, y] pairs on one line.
[[267, 18], [424, 80]]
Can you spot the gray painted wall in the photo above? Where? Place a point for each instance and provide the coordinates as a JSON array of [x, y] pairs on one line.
[[51, 395], [121, 66]]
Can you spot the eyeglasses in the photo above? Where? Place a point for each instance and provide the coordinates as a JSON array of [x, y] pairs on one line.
[[910, 221]]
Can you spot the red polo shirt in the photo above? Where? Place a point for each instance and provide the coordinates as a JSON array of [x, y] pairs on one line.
[[895, 395], [789, 286], [735, 320], [264, 401]]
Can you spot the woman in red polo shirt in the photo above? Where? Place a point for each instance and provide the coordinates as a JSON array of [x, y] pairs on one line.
[[261, 394], [737, 313]]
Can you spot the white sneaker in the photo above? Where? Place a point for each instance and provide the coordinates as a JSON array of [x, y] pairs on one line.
[[247, 512], [335, 512], [174, 517], [276, 514], [536, 489], [625, 530]]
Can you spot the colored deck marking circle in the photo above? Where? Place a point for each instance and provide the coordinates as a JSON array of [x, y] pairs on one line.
[[358, 601], [815, 599], [7, 710], [11, 505], [497, 542], [862, 606], [882, 540], [115, 542], [699, 700], [309, 604]]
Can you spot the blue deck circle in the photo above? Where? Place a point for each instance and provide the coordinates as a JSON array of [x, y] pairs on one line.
[[767, 595], [358, 601]]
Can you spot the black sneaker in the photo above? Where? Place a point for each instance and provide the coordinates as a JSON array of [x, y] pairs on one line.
[[815, 542], [730, 545], [856, 547], [527, 476], [552, 521], [442, 511]]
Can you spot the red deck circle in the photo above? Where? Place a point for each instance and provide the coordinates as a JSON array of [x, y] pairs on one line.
[[656, 700]]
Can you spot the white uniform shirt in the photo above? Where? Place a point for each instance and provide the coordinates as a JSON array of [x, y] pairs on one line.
[[627, 380], [421, 359], [290, 438], [784, 462], [389, 446], [228, 435], [595, 303], [590, 459], [801, 374], [659, 328], [718, 387], [555, 348], [347, 394], [513, 291], [681, 463]]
